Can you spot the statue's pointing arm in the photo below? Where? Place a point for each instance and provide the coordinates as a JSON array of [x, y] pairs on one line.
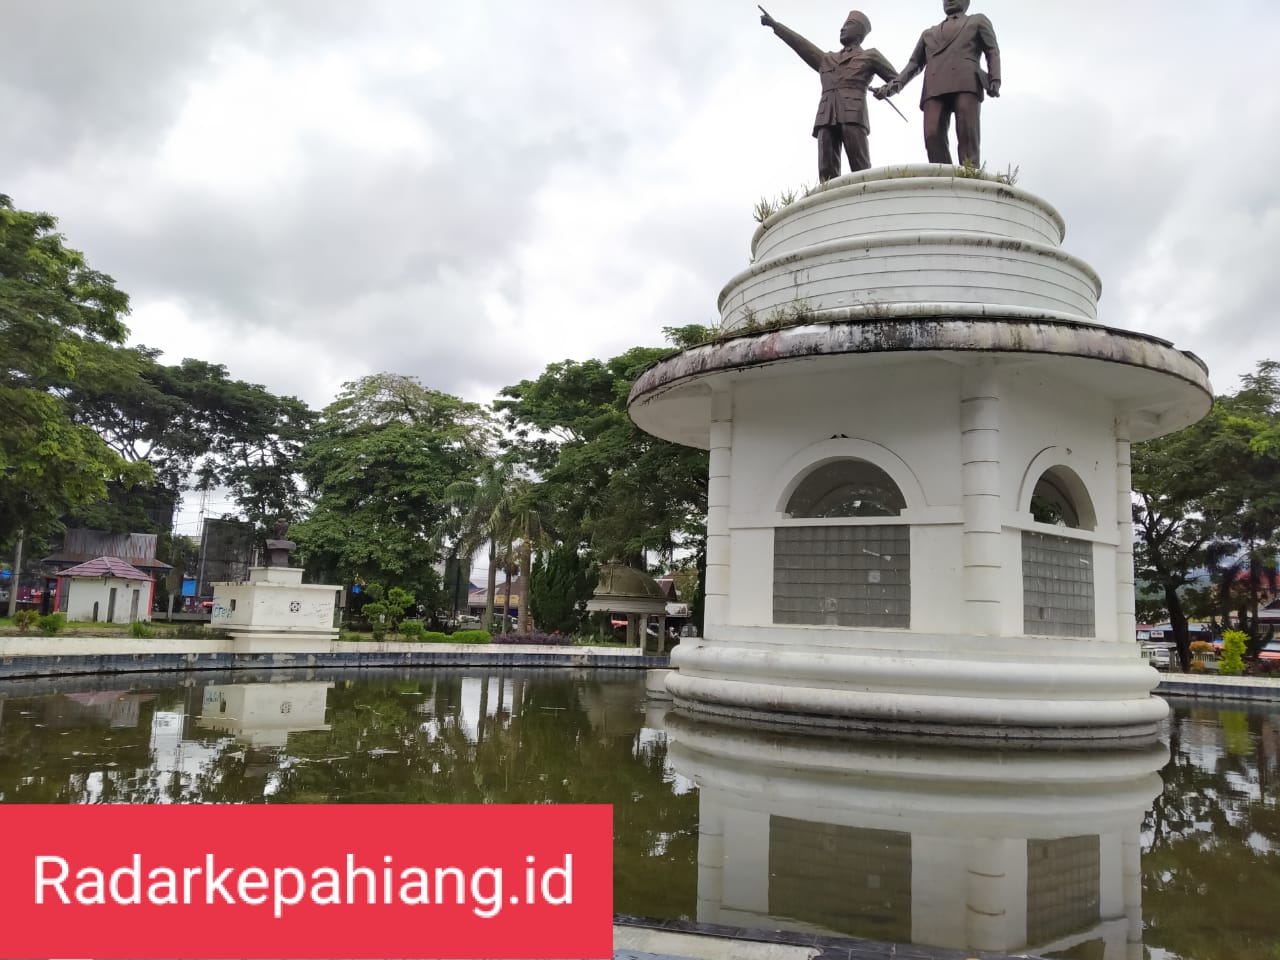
[[809, 53], [987, 36]]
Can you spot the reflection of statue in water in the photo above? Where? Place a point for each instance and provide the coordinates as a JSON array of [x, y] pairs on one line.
[[842, 111], [954, 82]]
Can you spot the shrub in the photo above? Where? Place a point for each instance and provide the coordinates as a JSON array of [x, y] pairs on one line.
[[470, 636], [413, 630], [348, 636], [24, 620], [1232, 663], [434, 636], [51, 623], [141, 630], [379, 631]]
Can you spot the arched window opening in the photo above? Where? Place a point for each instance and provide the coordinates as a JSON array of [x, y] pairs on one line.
[[843, 574], [1059, 498], [846, 488]]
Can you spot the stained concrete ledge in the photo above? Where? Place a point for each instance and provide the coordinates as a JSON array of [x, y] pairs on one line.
[[1213, 687], [25, 657], [645, 939]]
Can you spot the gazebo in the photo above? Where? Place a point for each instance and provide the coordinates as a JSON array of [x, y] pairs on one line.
[[100, 589], [632, 592]]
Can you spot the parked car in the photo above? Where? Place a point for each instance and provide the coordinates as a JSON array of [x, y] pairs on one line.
[[1159, 655]]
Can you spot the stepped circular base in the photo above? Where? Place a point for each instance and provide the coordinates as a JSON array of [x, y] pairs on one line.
[[1066, 691]]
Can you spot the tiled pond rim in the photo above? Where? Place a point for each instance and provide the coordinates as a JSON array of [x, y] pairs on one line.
[[30, 657], [26, 657], [639, 938]]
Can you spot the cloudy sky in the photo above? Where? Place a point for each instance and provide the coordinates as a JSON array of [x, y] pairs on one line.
[[312, 190]]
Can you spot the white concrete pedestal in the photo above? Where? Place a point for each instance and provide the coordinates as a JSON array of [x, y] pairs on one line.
[[275, 612], [918, 498]]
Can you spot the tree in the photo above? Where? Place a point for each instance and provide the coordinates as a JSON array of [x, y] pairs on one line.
[[1207, 496], [474, 502], [559, 588], [192, 422], [616, 490], [379, 465], [57, 317]]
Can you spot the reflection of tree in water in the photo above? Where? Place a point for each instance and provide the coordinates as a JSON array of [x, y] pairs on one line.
[[1211, 870], [550, 739]]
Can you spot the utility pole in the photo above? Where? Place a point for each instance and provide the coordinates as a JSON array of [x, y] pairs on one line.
[[17, 575]]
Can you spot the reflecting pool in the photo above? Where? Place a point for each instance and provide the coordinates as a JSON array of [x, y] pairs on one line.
[[1165, 852]]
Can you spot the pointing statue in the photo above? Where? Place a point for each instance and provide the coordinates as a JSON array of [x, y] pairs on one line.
[[842, 112], [954, 82]]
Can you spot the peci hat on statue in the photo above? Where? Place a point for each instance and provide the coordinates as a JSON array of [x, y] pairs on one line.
[[860, 18]]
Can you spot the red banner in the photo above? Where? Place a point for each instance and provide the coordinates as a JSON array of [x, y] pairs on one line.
[[286, 882]]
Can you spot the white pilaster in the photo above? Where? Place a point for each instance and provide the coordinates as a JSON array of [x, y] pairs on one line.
[[721, 464], [1126, 617], [980, 492]]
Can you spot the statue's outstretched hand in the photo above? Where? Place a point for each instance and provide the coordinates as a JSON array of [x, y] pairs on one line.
[[887, 90], [765, 19]]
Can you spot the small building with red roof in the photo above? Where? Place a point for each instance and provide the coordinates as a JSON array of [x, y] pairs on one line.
[[106, 590]]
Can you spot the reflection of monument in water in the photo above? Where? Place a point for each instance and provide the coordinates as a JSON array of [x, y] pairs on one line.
[[920, 843], [264, 714]]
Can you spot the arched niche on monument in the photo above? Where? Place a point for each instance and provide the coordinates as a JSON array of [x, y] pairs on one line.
[[838, 566], [1058, 581]]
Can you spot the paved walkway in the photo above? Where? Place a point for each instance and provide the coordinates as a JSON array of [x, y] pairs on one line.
[[1213, 687]]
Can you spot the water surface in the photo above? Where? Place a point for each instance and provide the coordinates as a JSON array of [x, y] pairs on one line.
[[1067, 856]]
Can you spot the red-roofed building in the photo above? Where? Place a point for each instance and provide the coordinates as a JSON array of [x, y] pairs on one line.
[[106, 589]]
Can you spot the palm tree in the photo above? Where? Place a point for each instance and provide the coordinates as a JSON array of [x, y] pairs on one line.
[[476, 503], [519, 521]]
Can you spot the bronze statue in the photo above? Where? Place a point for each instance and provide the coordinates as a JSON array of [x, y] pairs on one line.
[[280, 546], [954, 82], [842, 111]]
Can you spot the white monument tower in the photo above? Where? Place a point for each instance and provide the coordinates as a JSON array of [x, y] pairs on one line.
[[919, 495]]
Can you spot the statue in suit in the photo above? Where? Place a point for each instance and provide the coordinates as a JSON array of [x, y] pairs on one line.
[[842, 111], [954, 81]]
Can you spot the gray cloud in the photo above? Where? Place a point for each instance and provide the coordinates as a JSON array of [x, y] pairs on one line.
[[312, 190]]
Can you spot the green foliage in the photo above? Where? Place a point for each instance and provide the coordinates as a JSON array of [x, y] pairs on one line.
[[378, 463], [433, 636], [1207, 496], [559, 589], [24, 620], [766, 207], [141, 629], [412, 630], [1233, 644], [60, 324], [51, 623], [605, 483], [198, 631], [470, 636]]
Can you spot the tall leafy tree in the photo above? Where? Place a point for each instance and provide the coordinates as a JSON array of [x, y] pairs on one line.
[[196, 426], [58, 317], [615, 489], [1208, 497], [379, 465]]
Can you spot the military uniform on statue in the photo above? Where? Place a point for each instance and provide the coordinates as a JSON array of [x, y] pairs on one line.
[[842, 112], [954, 82]]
